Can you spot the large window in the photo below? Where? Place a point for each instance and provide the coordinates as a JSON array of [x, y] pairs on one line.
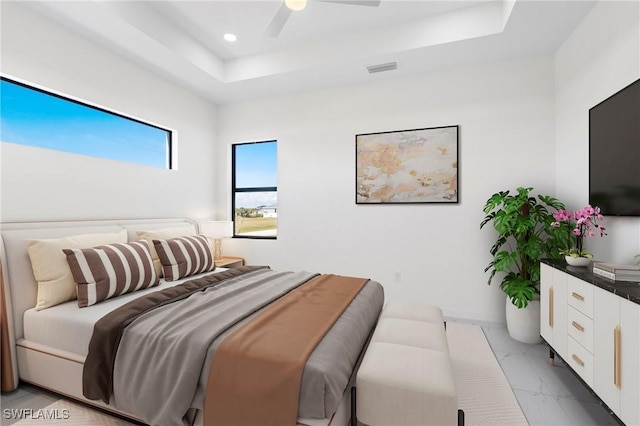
[[255, 189], [35, 117]]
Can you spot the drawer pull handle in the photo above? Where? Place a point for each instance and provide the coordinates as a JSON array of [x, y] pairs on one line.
[[617, 370], [551, 307], [577, 296], [578, 360], [577, 326]]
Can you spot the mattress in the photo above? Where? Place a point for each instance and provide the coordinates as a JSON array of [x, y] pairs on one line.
[[69, 328]]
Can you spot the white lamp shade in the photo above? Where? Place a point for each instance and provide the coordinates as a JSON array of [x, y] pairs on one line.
[[217, 228]]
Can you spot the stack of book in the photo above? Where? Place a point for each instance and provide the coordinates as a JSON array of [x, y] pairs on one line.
[[616, 271]]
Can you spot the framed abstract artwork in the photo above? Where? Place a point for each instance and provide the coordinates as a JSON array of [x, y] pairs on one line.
[[407, 166]]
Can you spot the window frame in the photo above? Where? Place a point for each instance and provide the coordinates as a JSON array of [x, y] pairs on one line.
[[170, 163], [235, 190]]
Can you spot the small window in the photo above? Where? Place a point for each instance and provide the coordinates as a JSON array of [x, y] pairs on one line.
[[35, 117], [254, 191]]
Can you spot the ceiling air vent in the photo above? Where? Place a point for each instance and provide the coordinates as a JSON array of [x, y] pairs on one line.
[[389, 66]]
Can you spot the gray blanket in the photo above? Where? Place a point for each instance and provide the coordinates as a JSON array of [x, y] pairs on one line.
[[162, 364]]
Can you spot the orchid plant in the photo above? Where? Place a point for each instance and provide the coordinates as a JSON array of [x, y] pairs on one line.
[[584, 223]]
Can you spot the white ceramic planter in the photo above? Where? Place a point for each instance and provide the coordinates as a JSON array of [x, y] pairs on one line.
[[577, 261], [524, 324]]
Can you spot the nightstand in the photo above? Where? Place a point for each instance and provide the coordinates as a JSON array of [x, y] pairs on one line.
[[230, 262]]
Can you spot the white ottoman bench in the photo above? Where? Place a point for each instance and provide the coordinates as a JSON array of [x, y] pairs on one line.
[[406, 378]]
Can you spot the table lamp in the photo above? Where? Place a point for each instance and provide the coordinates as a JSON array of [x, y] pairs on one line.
[[217, 229]]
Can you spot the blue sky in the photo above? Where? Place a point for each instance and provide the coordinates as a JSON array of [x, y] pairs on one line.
[[31, 117], [34, 118], [256, 166]]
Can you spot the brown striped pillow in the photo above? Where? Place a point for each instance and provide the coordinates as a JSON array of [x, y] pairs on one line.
[[184, 256], [111, 270]]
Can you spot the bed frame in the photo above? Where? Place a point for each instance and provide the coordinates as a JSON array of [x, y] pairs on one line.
[[61, 371]]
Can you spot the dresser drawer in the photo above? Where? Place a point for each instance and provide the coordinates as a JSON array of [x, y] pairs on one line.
[[580, 360], [580, 295], [580, 327]]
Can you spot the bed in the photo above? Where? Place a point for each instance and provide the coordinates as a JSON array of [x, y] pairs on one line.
[[49, 346]]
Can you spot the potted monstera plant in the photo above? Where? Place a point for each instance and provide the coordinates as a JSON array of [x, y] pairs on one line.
[[525, 235]]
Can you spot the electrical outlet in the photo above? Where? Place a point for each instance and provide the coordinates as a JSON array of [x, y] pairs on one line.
[[397, 277]]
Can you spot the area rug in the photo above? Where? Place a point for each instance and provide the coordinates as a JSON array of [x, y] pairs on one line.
[[484, 394], [64, 412]]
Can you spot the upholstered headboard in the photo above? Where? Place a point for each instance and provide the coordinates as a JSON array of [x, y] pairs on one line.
[[19, 287]]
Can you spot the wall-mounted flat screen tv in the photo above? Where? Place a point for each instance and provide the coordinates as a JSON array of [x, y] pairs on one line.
[[614, 153]]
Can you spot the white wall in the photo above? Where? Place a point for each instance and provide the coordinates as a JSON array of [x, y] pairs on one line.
[[516, 129], [40, 184], [505, 113], [599, 58]]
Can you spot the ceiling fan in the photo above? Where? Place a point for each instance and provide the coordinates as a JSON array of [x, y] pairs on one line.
[[288, 6]]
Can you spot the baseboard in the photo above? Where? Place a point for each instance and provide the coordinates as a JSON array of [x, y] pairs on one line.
[[474, 316]]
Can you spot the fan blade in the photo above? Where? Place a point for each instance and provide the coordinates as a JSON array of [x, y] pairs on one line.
[[276, 25], [372, 3]]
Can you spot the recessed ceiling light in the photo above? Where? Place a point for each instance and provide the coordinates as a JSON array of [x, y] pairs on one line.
[[295, 4], [230, 37]]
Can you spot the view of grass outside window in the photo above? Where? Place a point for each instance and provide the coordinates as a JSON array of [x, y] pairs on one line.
[[254, 188], [36, 117]]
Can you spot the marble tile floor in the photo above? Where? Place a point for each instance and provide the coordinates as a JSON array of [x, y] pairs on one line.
[[548, 395]]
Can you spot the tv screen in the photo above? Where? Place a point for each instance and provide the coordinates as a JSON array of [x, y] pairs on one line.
[[614, 153]]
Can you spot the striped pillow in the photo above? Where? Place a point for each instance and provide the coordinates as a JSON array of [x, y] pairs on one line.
[[111, 270], [184, 256]]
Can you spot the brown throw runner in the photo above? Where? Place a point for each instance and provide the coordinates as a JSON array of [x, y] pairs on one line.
[[256, 371]]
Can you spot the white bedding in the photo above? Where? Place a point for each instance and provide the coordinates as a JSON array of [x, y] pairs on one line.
[[69, 328]]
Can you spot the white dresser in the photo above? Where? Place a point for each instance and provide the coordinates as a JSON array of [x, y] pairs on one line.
[[593, 324]]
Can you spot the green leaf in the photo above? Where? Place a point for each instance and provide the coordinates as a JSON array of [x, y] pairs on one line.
[[502, 240], [552, 202], [504, 260], [519, 290], [487, 219], [493, 273]]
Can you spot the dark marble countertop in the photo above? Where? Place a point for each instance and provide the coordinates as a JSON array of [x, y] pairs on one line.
[[626, 289]]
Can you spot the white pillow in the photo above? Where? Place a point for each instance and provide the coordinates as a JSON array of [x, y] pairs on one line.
[[50, 267], [163, 234]]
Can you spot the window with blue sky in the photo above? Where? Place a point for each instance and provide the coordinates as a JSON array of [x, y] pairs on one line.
[[35, 117], [255, 189]]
